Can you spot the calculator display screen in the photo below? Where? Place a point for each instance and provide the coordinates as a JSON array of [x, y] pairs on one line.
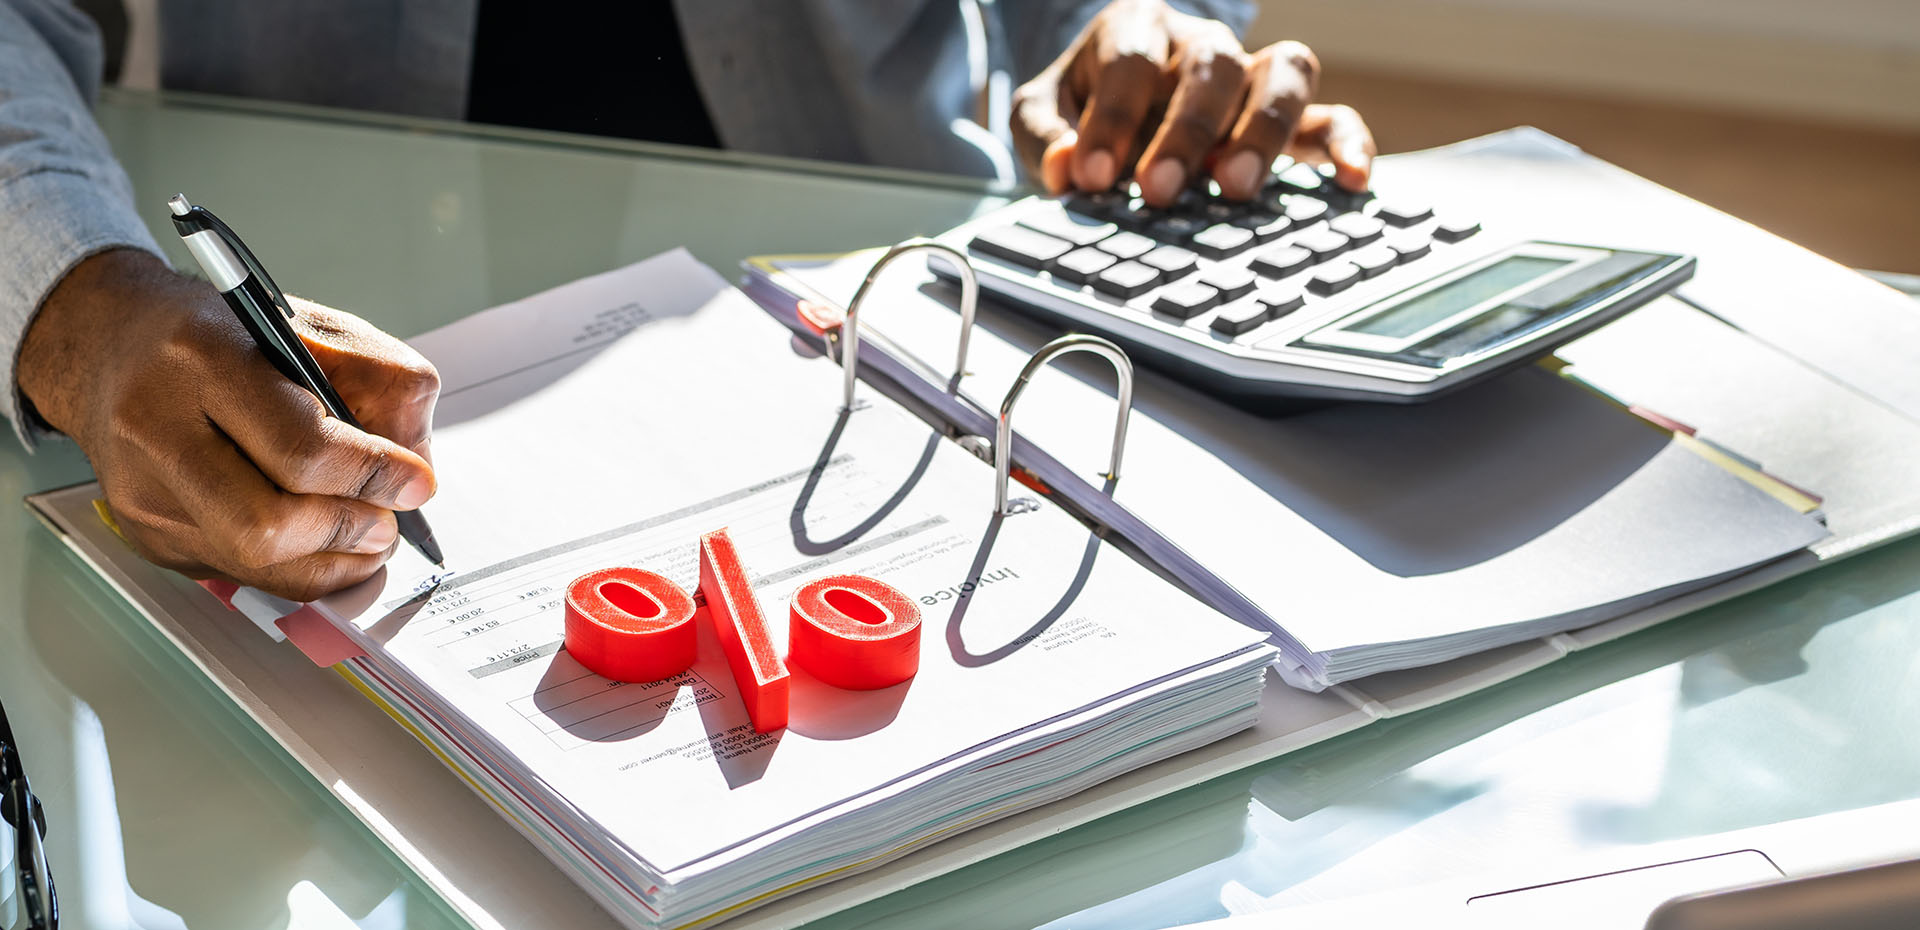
[[1440, 303], [1499, 304]]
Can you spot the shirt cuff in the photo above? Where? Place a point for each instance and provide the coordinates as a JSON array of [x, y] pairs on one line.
[[51, 220]]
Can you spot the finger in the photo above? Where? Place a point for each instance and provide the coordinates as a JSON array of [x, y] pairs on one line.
[[390, 388], [286, 433], [1118, 76], [244, 524], [1282, 80], [151, 532], [1337, 134], [312, 577], [1212, 75], [1041, 134]]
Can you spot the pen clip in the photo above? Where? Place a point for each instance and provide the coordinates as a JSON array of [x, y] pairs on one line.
[[259, 271]]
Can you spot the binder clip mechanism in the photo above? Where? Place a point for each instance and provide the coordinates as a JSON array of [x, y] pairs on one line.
[[1003, 429], [969, 299]]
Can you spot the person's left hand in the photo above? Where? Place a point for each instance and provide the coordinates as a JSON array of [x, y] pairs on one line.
[[1149, 90]]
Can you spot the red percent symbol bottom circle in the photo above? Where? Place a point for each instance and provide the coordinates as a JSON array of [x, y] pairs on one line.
[[854, 632], [629, 624]]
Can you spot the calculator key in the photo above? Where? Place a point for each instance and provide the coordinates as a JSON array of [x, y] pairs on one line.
[[1020, 246], [1176, 229], [1081, 265], [1358, 227], [1222, 211], [1374, 260], [1190, 202], [1135, 214], [1099, 205], [1303, 210], [1072, 227], [1300, 177], [1452, 229], [1333, 278], [1125, 245], [1236, 318], [1186, 300], [1402, 214], [1409, 244], [1264, 226], [1323, 242], [1280, 261], [1280, 299], [1126, 280], [1222, 241], [1171, 261], [1232, 283]]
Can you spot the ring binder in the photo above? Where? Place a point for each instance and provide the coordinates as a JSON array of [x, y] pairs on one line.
[[969, 298], [1003, 430]]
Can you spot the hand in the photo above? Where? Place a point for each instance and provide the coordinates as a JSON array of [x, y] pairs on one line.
[[213, 463], [1181, 93]]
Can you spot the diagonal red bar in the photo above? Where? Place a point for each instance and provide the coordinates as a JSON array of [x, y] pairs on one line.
[[743, 633]]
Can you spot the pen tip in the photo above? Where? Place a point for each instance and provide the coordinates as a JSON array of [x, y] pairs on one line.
[[440, 564]]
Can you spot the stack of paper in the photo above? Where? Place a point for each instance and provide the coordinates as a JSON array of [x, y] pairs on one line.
[[614, 420], [1365, 538]]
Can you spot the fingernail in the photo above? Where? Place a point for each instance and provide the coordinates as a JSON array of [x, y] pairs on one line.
[[424, 449], [1239, 175], [1163, 180], [413, 495], [1099, 169], [379, 538]]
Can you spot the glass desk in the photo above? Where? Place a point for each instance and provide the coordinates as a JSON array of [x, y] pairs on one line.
[[169, 807]]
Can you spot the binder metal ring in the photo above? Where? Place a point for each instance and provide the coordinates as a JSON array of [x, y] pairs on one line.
[[969, 298], [1003, 430]]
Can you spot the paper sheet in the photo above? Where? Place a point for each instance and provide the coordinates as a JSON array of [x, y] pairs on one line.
[[1398, 535], [595, 457]]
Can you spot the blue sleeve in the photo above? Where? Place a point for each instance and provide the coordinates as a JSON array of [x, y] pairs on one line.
[[62, 195]]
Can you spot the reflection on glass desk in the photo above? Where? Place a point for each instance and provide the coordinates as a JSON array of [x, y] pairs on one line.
[[170, 808]]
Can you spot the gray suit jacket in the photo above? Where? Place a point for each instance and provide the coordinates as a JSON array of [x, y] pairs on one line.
[[889, 82]]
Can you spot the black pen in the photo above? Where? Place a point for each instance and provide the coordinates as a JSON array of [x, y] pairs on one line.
[[262, 307]]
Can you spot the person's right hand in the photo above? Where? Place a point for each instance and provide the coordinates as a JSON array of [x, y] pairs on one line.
[[214, 464]]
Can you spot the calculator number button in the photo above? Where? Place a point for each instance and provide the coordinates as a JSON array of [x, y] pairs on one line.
[[1081, 265], [1069, 227], [1020, 245], [1334, 278], [1126, 280], [1186, 300]]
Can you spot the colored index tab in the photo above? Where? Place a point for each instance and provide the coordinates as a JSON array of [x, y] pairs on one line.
[[629, 624], [855, 632], [818, 317], [743, 632]]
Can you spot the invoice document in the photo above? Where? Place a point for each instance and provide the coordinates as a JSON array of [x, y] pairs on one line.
[[632, 412]]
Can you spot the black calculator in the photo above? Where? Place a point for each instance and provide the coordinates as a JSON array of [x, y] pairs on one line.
[[1307, 293]]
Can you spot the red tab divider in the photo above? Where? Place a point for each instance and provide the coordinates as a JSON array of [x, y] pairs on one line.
[[757, 669], [630, 624], [854, 632], [220, 588], [318, 639]]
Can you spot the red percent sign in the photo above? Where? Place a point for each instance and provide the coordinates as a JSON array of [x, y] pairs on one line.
[[629, 624], [854, 632], [737, 621], [849, 631]]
